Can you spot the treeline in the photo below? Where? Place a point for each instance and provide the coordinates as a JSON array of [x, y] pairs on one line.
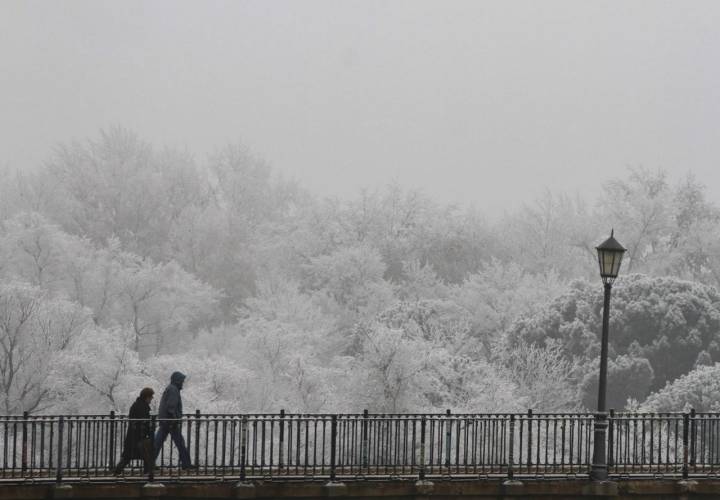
[[120, 263]]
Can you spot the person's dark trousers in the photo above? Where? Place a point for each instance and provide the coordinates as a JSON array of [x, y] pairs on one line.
[[145, 448], [176, 435]]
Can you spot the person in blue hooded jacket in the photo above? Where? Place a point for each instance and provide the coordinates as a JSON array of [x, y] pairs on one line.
[[169, 415]]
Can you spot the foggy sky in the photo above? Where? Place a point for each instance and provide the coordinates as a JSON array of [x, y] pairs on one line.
[[475, 102]]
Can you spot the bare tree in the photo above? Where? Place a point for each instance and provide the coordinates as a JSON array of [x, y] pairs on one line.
[[33, 329]]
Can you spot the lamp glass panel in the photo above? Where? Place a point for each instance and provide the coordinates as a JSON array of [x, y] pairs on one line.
[[610, 262], [607, 263], [616, 263]]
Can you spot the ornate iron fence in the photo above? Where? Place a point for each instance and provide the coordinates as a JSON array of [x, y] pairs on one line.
[[246, 446]]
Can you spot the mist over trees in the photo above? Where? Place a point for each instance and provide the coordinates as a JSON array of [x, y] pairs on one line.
[[121, 262]]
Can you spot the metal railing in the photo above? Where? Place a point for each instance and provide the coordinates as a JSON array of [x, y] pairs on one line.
[[247, 446]]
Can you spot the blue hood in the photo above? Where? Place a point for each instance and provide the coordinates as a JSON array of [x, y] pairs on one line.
[[177, 379]]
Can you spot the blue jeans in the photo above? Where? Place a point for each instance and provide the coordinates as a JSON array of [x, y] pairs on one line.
[[174, 431]]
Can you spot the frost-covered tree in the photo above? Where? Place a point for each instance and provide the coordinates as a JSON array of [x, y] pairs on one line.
[[666, 321], [162, 302], [457, 371], [621, 369], [352, 280], [698, 389], [158, 300], [420, 282], [287, 347], [35, 250], [391, 370], [34, 330], [273, 298], [214, 383], [668, 229], [555, 234], [641, 210], [500, 293], [118, 186], [543, 377], [98, 372]]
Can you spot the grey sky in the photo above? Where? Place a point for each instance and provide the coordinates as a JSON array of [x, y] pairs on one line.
[[476, 102]]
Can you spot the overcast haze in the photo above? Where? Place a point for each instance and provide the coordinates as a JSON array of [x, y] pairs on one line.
[[476, 102]]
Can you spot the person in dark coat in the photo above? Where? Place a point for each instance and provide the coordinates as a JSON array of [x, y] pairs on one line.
[[138, 440], [169, 416]]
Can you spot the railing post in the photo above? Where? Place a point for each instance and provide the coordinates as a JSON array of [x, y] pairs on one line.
[[243, 446], [365, 442], [151, 472], [511, 446], [422, 448], [333, 445], [189, 433], [24, 457], [58, 471], [282, 439], [448, 438], [529, 442], [197, 440], [611, 439], [111, 443], [693, 437], [685, 436]]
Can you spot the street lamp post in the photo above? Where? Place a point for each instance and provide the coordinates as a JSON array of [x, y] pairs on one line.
[[610, 254]]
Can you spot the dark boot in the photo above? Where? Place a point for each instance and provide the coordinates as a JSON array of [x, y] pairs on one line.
[[148, 456], [120, 466]]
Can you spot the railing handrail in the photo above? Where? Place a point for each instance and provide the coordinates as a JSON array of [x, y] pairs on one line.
[[321, 415], [361, 414]]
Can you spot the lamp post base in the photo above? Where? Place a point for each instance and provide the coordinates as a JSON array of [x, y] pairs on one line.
[[603, 489], [599, 469], [599, 472]]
